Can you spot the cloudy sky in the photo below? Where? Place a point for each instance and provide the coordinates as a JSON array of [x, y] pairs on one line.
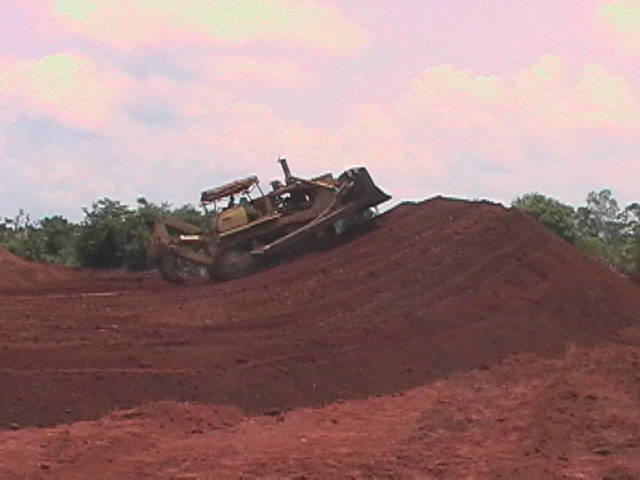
[[163, 98]]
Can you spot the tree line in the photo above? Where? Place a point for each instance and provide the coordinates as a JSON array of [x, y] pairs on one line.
[[115, 235], [601, 228], [111, 235]]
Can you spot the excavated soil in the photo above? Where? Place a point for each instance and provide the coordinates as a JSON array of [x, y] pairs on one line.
[[574, 417], [17, 272], [439, 298]]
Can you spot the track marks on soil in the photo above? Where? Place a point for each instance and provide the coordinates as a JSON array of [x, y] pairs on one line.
[[439, 287]]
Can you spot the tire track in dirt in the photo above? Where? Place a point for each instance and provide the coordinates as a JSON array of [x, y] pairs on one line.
[[437, 288]]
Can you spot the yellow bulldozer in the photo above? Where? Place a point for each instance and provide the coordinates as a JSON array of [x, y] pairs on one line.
[[247, 230]]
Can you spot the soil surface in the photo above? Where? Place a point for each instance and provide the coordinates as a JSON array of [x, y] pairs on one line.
[[573, 417], [454, 340], [17, 272]]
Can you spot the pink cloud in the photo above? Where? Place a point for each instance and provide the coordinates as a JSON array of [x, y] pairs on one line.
[[129, 26], [250, 71], [451, 131], [540, 104], [619, 22], [69, 87]]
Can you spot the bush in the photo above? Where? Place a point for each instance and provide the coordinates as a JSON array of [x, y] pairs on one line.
[[600, 228], [116, 236], [556, 216], [104, 235]]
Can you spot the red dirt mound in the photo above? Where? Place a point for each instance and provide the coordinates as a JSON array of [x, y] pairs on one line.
[[439, 287], [572, 417], [16, 272]]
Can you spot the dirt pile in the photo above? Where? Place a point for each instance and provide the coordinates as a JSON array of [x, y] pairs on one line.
[[572, 417], [16, 272], [437, 288]]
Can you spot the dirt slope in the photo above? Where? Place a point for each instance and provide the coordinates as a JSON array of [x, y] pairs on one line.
[[16, 272], [570, 418], [439, 287]]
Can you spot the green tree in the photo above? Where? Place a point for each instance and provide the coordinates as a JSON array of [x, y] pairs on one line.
[[631, 218], [21, 237], [60, 237], [609, 232], [113, 235], [556, 216], [103, 234], [601, 217]]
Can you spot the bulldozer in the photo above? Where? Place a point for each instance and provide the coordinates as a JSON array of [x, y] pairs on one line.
[[247, 230]]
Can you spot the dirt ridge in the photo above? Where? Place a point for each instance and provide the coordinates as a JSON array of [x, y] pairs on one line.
[[438, 287]]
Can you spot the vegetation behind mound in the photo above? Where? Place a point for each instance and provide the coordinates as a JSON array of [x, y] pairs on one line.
[[115, 235]]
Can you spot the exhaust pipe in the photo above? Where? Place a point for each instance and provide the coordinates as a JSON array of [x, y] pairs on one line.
[[285, 168]]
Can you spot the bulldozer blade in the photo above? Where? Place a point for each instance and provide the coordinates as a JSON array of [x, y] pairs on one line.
[[364, 192]]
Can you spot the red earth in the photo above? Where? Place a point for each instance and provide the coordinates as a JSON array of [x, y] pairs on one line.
[[454, 340], [17, 272]]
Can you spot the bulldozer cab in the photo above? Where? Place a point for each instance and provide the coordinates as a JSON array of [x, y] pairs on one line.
[[231, 218], [229, 190], [233, 205]]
